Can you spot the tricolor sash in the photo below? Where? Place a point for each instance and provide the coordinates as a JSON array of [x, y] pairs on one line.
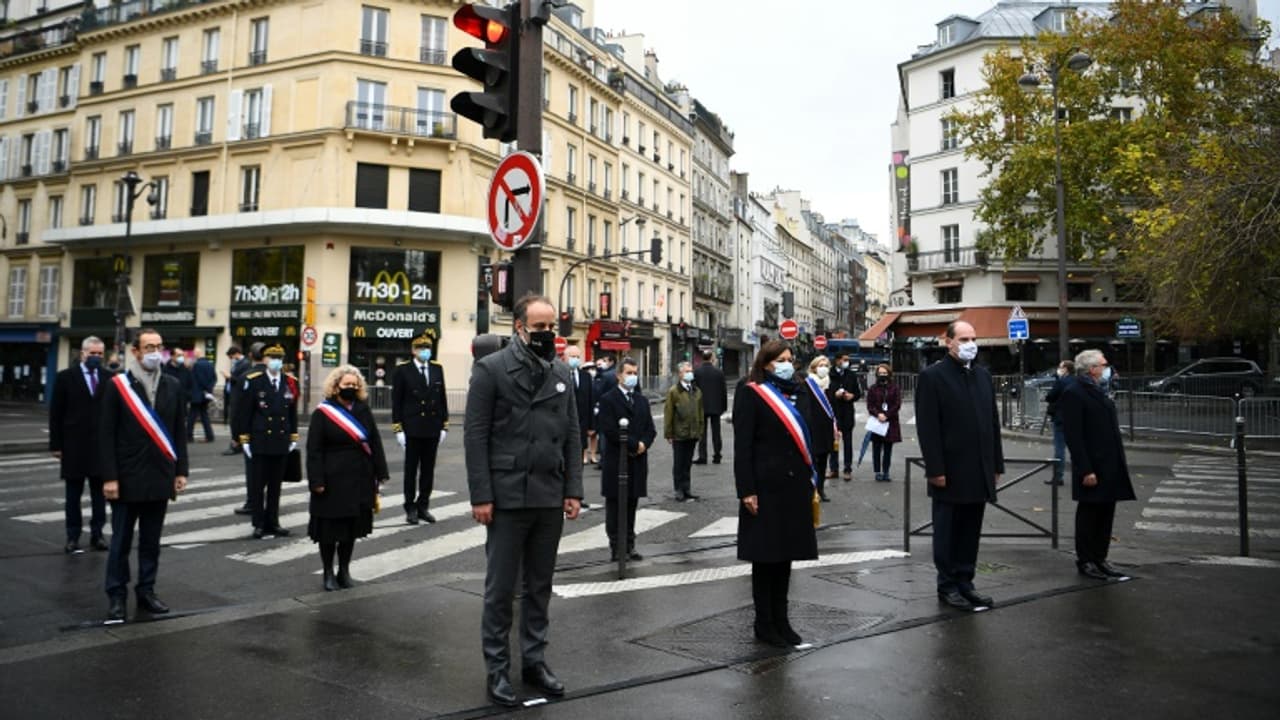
[[826, 407], [343, 418], [791, 420], [146, 417]]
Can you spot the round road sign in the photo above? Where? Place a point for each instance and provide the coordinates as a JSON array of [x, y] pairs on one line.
[[820, 342], [561, 345], [309, 336], [789, 330], [515, 200]]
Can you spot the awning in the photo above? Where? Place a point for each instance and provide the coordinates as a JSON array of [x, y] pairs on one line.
[[1021, 279], [947, 283], [989, 324], [882, 325], [615, 345]]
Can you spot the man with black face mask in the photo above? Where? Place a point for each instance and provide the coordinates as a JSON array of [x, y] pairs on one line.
[[73, 438], [524, 470]]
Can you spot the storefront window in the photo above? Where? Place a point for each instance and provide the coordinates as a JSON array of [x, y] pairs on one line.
[[393, 297], [171, 280], [95, 284], [394, 277], [267, 276]]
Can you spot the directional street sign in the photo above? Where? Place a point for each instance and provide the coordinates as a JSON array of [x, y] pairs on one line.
[[1017, 313], [515, 200], [789, 330], [1018, 329], [1128, 327]]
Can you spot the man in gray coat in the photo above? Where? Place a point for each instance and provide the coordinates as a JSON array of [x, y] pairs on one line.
[[524, 471]]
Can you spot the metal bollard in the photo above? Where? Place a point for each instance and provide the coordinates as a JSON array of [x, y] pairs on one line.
[[623, 499], [1131, 394], [1242, 487]]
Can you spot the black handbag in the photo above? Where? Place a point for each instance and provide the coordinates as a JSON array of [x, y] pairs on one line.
[[293, 467]]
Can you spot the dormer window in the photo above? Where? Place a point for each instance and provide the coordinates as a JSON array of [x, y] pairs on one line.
[[946, 34], [1058, 21]]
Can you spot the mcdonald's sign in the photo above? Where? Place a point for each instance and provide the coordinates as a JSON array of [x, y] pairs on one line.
[[121, 263], [358, 331]]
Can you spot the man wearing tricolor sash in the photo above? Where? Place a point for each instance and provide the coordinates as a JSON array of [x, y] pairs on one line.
[[143, 455]]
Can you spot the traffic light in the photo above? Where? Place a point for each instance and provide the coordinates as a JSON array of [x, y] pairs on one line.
[[566, 323], [788, 304], [655, 250], [501, 291], [497, 67]]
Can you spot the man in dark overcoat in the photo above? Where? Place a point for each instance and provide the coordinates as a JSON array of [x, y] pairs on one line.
[[585, 395], [73, 439], [420, 420], [715, 400], [253, 363], [959, 432], [142, 453], [623, 401], [844, 391], [524, 472], [268, 408], [1099, 472]]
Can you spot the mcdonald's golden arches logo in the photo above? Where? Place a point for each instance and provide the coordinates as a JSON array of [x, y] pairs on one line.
[[358, 331], [399, 280], [120, 263]]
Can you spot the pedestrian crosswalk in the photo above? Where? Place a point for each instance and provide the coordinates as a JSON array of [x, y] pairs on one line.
[[1201, 498]]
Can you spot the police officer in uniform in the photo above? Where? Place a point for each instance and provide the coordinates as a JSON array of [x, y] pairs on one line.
[[420, 420], [268, 411]]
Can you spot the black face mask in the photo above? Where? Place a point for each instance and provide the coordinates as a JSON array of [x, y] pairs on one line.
[[882, 379], [348, 394], [543, 344], [93, 362]]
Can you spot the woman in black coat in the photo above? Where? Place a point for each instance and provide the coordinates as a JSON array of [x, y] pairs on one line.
[[1099, 473], [775, 482], [822, 424], [344, 471]]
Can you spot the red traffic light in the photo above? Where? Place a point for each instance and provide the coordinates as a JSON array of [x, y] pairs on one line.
[[482, 22]]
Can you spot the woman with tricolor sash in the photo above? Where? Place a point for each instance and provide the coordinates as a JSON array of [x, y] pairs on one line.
[[776, 480], [821, 418], [345, 468]]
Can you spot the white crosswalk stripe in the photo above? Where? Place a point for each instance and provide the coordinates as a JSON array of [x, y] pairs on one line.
[[1201, 499], [720, 528]]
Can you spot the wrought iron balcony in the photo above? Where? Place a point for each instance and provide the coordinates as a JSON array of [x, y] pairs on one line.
[[199, 210], [163, 142], [375, 48], [35, 39], [91, 152], [86, 220], [168, 74], [248, 207], [204, 137], [64, 101], [257, 57], [208, 66], [21, 238], [252, 131], [59, 166], [401, 120], [433, 56], [124, 147], [130, 80], [947, 259], [95, 87], [33, 106], [157, 213], [115, 14]]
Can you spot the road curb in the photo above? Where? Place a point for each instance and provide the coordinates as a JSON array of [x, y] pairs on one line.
[[1147, 444], [23, 446]]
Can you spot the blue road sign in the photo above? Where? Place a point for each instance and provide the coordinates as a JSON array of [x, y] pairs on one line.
[[1128, 328], [1019, 329]]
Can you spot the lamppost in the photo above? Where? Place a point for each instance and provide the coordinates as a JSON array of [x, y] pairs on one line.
[[1078, 62], [567, 312], [124, 304]]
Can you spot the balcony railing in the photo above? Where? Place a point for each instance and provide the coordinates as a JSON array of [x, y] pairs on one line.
[[252, 131], [86, 219], [376, 48], [33, 106], [163, 142], [124, 147], [27, 170], [59, 166], [91, 152], [157, 213], [168, 74], [954, 258], [249, 207], [21, 238], [29, 41], [199, 210], [95, 87], [208, 66], [64, 101], [130, 80], [92, 19], [204, 138], [257, 57], [401, 120], [433, 56]]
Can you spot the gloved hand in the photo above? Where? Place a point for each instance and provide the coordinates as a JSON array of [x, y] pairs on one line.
[[400, 439], [443, 434], [247, 452], [208, 397], [293, 446]]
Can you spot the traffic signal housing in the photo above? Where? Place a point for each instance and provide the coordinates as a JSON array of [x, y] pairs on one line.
[[655, 250], [788, 304], [501, 292], [496, 66], [566, 323]]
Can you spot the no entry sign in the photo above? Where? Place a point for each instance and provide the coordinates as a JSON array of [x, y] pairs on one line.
[[789, 330], [820, 342], [515, 199], [561, 345]]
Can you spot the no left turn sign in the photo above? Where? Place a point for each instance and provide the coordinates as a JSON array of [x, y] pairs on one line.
[[515, 200]]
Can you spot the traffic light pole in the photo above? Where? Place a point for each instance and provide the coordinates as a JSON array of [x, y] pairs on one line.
[[527, 261]]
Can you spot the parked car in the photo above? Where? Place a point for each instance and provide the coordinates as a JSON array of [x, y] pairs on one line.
[[1213, 376]]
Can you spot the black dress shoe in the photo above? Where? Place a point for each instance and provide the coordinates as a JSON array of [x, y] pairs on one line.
[[1091, 570], [345, 580], [278, 531], [152, 604], [540, 676], [1107, 568], [789, 634], [954, 599], [691, 496], [768, 635], [72, 548], [116, 610], [700, 461], [411, 516], [330, 582], [231, 451], [823, 497], [99, 544], [424, 515], [977, 599], [716, 460], [259, 533], [244, 510], [500, 690], [633, 555]]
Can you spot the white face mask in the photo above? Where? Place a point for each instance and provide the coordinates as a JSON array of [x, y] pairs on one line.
[[967, 351], [274, 364], [1106, 374], [150, 361], [784, 370], [630, 381], [823, 371]]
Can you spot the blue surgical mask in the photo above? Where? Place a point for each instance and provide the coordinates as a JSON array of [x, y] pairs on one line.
[[631, 381], [1106, 374], [274, 364], [784, 370], [574, 362], [687, 377], [425, 355]]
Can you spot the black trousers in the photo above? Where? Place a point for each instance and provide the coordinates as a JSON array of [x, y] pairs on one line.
[[519, 540], [264, 492], [200, 410], [682, 465], [881, 454], [819, 463], [149, 517], [710, 434], [419, 470], [957, 528], [248, 478], [846, 445], [770, 585], [1093, 530], [611, 506], [97, 505]]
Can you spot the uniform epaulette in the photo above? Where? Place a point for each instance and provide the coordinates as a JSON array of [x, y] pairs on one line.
[[402, 362], [252, 375], [435, 362]]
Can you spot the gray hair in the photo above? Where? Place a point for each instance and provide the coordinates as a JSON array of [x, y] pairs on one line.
[[91, 340], [1088, 360], [681, 367]]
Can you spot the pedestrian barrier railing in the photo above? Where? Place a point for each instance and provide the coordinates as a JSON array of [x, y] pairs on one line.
[[1035, 467]]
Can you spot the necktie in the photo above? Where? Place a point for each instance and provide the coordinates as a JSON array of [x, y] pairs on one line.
[[423, 368], [93, 383], [627, 395], [275, 384]]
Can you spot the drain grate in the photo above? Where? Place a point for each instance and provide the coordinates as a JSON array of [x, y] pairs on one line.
[[729, 638]]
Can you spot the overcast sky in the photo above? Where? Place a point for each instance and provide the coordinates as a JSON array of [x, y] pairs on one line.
[[808, 88]]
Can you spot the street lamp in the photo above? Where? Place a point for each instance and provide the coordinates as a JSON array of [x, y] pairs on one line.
[[124, 306], [574, 265], [1078, 62]]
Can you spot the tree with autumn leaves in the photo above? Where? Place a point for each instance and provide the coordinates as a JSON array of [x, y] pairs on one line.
[[1179, 195]]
